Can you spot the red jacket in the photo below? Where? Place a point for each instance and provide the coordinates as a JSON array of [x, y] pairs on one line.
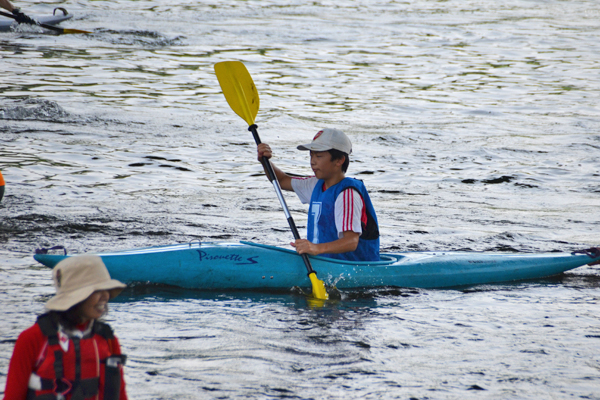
[[35, 354]]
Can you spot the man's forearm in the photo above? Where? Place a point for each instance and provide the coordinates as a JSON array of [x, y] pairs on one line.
[[345, 244]]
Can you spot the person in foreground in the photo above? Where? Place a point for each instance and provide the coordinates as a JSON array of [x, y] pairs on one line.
[[341, 219], [69, 353], [19, 16]]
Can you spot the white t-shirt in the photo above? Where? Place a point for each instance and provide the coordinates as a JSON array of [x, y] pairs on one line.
[[349, 205]]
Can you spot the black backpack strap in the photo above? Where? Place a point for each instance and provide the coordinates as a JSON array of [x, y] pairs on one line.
[[112, 376], [48, 327], [113, 364], [86, 388], [31, 396], [104, 330], [370, 230]]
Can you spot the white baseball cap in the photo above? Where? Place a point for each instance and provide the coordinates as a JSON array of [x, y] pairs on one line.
[[328, 139]]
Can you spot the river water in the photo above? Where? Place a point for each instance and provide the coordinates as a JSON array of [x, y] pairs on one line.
[[475, 125]]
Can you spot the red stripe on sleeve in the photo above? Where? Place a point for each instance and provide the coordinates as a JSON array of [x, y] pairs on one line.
[[351, 209], [348, 210], [345, 219]]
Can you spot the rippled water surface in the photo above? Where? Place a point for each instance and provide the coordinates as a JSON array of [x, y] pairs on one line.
[[475, 124]]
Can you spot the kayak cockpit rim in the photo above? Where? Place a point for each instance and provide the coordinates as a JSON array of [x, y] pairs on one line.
[[386, 259]]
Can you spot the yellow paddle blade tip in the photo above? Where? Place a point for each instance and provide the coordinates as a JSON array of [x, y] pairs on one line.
[[318, 287], [74, 31], [315, 304]]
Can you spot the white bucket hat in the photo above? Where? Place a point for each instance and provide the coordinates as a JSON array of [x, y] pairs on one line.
[[328, 139], [76, 278]]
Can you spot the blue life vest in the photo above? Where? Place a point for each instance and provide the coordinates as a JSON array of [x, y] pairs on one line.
[[321, 221]]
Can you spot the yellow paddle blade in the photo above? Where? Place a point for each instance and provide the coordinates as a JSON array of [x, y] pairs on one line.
[[238, 89], [318, 287], [315, 304], [74, 31]]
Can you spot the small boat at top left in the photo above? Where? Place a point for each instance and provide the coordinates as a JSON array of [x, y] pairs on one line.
[[59, 15]]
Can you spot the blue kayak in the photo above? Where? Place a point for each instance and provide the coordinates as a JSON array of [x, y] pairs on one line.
[[246, 265], [6, 23]]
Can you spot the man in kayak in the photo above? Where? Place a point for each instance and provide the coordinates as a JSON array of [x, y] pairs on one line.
[[19, 16], [341, 219]]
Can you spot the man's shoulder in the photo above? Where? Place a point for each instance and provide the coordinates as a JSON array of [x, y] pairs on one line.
[[304, 178], [303, 187], [304, 181], [352, 183], [31, 339]]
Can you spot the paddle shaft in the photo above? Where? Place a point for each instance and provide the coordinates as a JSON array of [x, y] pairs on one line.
[[241, 95], [273, 178], [52, 28]]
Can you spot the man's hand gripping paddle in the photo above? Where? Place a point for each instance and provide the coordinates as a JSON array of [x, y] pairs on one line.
[[242, 96]]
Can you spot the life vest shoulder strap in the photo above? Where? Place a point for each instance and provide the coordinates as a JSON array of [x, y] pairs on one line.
[[48, 327], [104, 330]]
